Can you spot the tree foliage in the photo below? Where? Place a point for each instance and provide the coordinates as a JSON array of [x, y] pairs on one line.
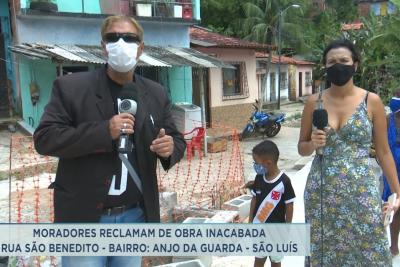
[[261, 22], [378, 43], [345, 10], [219, 15], [309, 31]]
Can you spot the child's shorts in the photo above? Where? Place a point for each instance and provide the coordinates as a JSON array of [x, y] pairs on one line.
[[274, 259]]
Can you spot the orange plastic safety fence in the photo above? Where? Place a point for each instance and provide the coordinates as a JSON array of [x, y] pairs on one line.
[[207, 182], [31, 174], [31, 200]]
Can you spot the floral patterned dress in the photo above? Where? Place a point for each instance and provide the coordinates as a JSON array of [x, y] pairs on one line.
[[352, 223]]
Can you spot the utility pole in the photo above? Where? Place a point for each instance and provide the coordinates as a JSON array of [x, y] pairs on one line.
[[280, 24]]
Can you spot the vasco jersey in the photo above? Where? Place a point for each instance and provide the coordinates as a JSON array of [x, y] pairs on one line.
[[279, 190]]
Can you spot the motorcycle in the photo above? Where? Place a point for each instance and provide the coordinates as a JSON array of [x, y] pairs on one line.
[[268, 124]]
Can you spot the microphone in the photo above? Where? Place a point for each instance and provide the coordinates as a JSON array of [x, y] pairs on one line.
[[127, 103], [320, 121]]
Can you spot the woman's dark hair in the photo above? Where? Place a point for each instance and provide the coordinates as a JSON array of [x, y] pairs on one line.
[[342, 43]]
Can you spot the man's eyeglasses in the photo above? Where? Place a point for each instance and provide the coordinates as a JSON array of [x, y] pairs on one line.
[[113, 37]]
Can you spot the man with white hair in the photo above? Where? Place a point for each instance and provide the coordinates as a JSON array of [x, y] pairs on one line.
[[82, 125]]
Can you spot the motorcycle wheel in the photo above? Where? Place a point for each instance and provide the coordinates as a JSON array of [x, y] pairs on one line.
[[244, 135], [273, 129]]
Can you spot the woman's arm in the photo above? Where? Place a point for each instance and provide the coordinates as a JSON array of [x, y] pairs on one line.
[[382, 148], [309, 140]]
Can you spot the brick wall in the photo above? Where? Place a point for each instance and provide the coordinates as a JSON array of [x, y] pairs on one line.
[[235, 116]]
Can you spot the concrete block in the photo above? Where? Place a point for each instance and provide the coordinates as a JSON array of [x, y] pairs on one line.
[[191, 263], [240, 204], [205, 260], [224, 216], [195, 220], [168, 200]]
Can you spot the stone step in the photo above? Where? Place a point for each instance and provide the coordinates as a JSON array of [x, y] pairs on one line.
[[299, 164]]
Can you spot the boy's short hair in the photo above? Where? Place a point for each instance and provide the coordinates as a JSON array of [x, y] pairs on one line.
[[267, 148]]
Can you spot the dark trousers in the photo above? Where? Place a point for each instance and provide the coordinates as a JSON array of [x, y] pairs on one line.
[[3, 261]]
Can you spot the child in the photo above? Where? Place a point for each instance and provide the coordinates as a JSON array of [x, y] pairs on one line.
[[272, 192], [393, 124]]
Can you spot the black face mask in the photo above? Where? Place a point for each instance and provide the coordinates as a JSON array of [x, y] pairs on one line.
[[339, 74]]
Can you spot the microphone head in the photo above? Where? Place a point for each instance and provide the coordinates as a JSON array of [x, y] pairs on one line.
[[320, 118], [129, 91], [128, 106]]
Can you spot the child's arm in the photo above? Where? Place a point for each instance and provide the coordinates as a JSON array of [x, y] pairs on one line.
[[289, 212], [252, 208]]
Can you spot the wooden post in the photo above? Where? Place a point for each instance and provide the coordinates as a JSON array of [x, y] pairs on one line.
[[10, 98], [203, 108]]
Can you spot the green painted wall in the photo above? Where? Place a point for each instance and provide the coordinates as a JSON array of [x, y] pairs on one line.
[[91, 6], [178, 83], [44, 73]]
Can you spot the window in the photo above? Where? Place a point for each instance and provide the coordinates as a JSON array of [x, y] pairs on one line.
[[234, 81], [284, 80], [231, 80], [308, 78]]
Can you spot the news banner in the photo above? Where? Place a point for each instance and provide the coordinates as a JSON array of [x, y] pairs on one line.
[[154, 239]]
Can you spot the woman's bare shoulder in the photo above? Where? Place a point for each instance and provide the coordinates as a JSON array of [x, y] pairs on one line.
[[373, 98], [311, 99]]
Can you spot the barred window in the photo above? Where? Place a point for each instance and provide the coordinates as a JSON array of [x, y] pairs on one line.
[[234, 81], [284, 80], [308, 79]]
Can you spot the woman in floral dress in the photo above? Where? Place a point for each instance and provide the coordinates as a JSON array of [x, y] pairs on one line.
[[350, 231]]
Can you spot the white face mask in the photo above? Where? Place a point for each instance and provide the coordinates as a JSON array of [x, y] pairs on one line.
[[122, 55]]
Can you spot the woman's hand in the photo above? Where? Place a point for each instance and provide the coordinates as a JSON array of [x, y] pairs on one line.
[[396, 205], [388, 207], [318, 138]]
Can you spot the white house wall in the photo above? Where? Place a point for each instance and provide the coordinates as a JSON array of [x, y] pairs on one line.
[[307, 90], [232, 55], [267, 91]]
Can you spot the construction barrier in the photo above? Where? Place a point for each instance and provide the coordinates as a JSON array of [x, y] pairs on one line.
[[201, 183]]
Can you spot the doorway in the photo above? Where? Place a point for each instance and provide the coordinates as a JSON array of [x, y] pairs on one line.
[[196, 97], [272, 87], [300, 84]]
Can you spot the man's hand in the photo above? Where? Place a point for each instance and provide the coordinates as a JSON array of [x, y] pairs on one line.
[[163, 145], [121, 123]]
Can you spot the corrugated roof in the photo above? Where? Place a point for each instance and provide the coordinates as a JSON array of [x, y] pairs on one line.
[[152, 55], [284, 60], [198, 35]]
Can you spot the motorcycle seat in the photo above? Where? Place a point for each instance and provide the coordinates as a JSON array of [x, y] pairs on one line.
[[275, 117]]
